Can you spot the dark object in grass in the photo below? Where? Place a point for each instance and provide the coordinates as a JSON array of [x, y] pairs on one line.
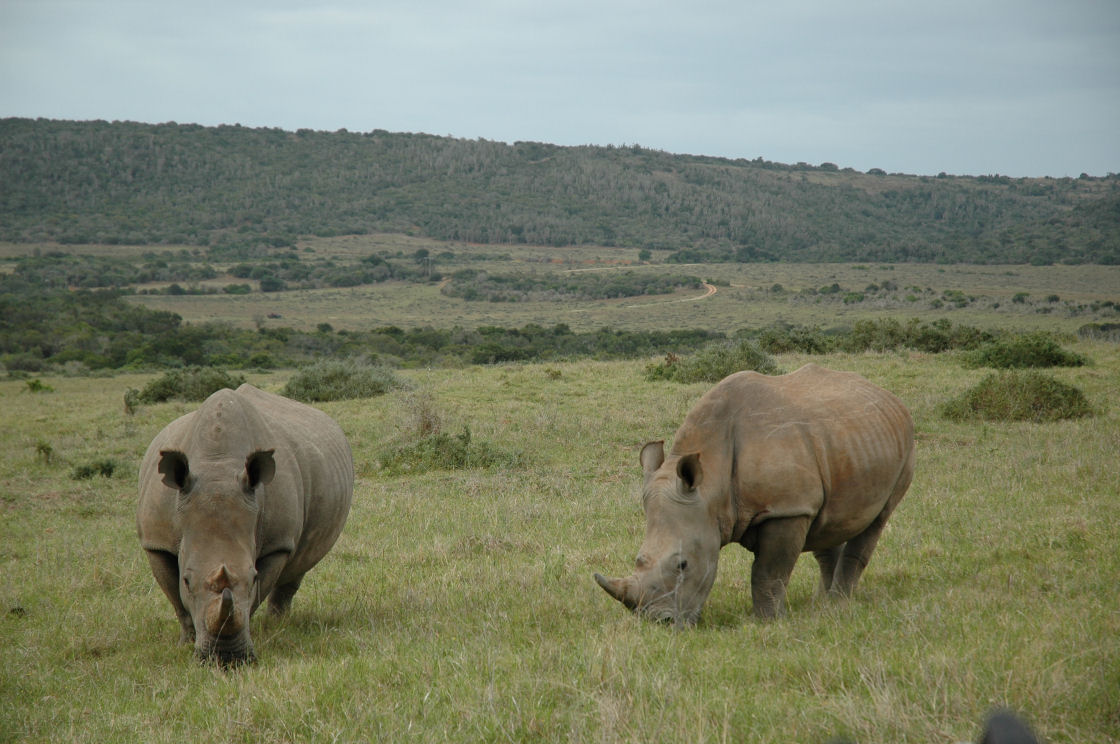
[[1004, 727]]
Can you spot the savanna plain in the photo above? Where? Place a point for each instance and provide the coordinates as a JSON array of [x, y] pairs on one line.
[[459, 605]]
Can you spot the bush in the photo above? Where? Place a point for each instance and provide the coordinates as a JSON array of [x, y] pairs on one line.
[[713, 362], [1019, 396], [441, 451], [1100, 331], [336, 379], [188, 384], [798, 338], [874, 335], [104, 468], [1029, 350]]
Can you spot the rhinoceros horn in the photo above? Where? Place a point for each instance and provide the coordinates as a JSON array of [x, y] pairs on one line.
[[222, 618], [620, 589], [221, 615]]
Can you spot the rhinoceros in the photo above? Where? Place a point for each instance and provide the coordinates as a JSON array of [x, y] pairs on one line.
[[815, 460], [238, 500]]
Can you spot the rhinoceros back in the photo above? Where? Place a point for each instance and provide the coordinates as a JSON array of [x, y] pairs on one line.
[[326, 470], [815, 442]]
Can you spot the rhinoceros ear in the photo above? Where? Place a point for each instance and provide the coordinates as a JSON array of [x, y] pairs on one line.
[[259, 468], [689, 471], [176, 472], [652, 455]]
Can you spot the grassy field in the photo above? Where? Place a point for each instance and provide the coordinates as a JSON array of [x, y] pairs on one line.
[[1050, 297], [747, 302], [745, 298], [459, 606]]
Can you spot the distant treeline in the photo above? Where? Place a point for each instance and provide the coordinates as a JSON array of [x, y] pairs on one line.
[[60, 330], [241, 192], [288, 269], [98, 330], [472, 284], [279, 269]]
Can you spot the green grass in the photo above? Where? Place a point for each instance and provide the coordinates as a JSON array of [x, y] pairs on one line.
[[458, 605]]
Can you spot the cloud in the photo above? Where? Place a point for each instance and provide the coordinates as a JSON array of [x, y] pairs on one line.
[[1014, 86]]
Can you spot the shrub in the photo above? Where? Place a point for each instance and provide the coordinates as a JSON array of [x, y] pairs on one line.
[[713, 362], [338, 379], [440, 451], [272, 284], [1019, 396], [874, 335], [1100, 331], [797, 338], [188, 384], [1029, 350], [104, 468], [941, 335]]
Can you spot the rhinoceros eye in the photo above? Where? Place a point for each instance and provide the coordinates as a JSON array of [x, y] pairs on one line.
[[682, 565]]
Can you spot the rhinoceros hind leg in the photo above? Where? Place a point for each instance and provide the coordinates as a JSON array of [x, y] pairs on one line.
[[858, 550], [779, 543], [280, 601], [828, 560], [856, 555]]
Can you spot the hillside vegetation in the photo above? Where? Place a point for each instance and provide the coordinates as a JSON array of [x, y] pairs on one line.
[[241, 191]]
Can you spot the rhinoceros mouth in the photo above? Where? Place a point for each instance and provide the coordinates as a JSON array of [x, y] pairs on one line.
[[226, 653], [663, 605], [670, 617]]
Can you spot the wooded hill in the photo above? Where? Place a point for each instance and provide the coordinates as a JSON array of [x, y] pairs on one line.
[[241, 191]]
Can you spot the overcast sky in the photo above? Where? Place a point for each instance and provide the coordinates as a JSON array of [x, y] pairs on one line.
[[1017, 87]]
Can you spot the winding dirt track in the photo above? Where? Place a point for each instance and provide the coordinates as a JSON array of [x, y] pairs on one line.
[[710, 289]]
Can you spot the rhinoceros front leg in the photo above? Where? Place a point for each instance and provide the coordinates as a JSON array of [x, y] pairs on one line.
[[280, 601], [779, 543], [165, 567], [269, 570]]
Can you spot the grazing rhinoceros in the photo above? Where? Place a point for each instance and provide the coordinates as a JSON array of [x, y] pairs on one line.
[[813, 460], [238, 500]]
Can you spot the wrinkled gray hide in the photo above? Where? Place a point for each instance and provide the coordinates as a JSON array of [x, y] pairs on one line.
[[238, 500]]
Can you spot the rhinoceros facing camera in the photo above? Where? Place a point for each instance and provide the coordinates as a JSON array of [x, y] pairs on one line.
[[238, 500]]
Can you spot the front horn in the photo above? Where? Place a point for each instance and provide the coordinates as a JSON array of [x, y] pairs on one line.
[[620, 589], [221, 615]]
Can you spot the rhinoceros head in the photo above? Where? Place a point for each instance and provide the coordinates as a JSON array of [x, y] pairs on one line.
[[218, 508], [676, 565]]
